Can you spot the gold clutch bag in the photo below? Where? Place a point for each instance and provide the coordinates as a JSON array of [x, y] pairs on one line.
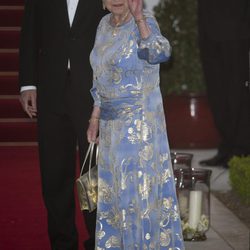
[[87, 184]]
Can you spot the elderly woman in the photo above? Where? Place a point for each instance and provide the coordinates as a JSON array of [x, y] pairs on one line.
[[137, 205]]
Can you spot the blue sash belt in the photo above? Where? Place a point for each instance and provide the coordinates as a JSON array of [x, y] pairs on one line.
[[112, 109]]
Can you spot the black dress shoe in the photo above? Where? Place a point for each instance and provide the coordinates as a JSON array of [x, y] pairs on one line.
[[89, 244], [217, 160]]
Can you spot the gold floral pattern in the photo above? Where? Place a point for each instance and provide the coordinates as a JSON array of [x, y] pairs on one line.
[[137, 205]]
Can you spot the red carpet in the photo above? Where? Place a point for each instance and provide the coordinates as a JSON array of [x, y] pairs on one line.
[[17, 130], [14, 108], [22, 214], [10, 17], [9, 84], [9, 38], [9, 60], [11, 2]]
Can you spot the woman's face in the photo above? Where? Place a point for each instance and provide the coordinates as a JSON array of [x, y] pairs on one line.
[[117, 7]]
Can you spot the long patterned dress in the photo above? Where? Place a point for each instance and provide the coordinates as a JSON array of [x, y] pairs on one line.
[[137, 205]]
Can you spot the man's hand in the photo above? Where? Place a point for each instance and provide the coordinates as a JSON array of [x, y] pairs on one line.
[[28, 101]]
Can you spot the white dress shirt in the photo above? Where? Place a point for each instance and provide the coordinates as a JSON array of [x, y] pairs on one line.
[[72, 5]]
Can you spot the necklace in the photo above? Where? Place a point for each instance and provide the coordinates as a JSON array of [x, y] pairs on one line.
[[115, 29]]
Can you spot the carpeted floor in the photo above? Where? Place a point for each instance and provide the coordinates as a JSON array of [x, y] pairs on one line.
[[22, 214]]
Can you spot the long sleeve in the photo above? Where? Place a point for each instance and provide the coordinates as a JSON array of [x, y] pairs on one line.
[[29, 45], [156, 48], [95, 95], [94, 91]]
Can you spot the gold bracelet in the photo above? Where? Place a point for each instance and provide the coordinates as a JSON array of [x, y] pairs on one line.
[[93, 118], [140, 20]]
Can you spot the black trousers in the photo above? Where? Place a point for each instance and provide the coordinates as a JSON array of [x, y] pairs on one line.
[[58, 135], [226, 69]]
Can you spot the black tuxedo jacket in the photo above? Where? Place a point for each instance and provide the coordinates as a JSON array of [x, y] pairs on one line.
[[47, 42], [224, 19]]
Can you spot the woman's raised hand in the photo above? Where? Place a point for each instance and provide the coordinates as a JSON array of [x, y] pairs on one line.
[[135, 7]]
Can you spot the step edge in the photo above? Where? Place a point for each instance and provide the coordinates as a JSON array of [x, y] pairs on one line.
[[11, 7], [9, 97], [8, 73], [10, 51], [11, 28], [18, 120], [18, 144]]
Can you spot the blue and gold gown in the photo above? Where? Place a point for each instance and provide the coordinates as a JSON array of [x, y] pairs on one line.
[[137, 205]]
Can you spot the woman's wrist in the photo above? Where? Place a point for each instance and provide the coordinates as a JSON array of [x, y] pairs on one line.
[[140, 19], [95, 115], [142, 25], [94, 118]]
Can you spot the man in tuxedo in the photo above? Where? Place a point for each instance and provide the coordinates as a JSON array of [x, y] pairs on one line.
[[55, 78], [224, 33]]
